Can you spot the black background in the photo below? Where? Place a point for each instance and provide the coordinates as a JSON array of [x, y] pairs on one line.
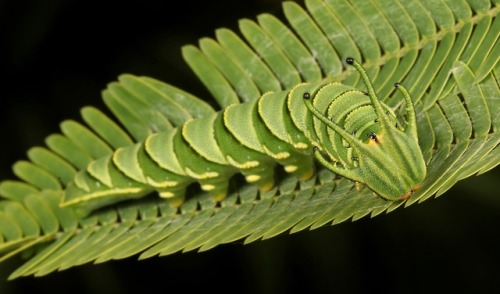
[[58, 55]]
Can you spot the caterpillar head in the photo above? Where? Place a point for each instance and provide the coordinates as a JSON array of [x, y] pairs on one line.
[[388, 161]]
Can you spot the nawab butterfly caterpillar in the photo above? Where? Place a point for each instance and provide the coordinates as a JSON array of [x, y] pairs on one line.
[[348, 131], [376, 152]]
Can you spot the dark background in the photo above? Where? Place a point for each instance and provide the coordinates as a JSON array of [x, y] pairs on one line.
[[58, 55]]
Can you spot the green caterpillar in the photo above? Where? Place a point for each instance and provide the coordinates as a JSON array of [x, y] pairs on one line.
[[348, 131]]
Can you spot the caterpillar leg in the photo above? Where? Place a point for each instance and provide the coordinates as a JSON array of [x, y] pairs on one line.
[[257, 167], [300, 165], [216, 187], [286, 155], [175, 196], [262, 176], [136, 163], [273, 124], [213, 177]]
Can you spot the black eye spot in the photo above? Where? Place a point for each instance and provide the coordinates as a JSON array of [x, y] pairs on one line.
[[376, 120], [354, 158], [349, 60], [387, 112], [373, 136], [347, 146], [315, 148], [306, 95], [354, 132], [396, 85]]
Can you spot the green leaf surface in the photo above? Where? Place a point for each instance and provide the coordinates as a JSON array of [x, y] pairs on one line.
[[445, 52]]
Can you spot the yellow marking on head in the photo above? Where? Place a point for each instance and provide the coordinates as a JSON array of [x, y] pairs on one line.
[[252, 178]]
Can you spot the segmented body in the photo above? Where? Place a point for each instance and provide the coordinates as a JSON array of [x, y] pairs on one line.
[[252, 138]]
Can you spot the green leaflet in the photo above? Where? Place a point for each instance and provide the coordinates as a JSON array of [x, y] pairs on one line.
[[442, 51], [359, 134]]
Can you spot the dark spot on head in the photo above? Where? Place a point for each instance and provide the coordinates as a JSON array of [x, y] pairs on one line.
[[349, 60], [396, 85], [387, 112], [373, 136], [354, 132], [376, 120], [315, 148], [354, 158], [347, 146], [306, 95]]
